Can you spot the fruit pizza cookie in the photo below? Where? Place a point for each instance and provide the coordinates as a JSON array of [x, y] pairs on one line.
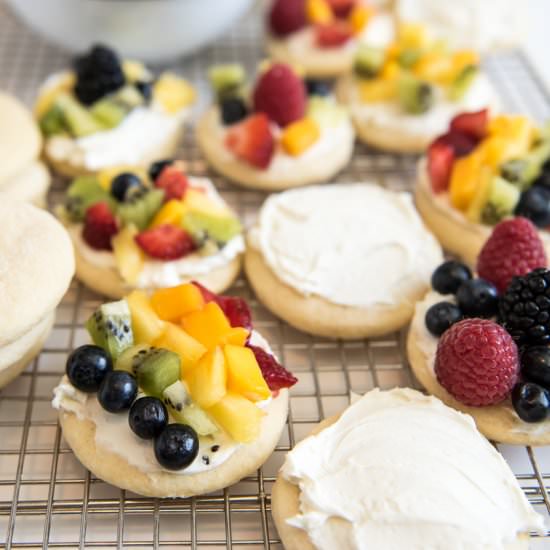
[[402, 97], [342, 261], [481, 171], [177, 396], [106, 111], [37, 265], [322, 36], [400, 466], [287, 132], [22, 175], [481, 343]]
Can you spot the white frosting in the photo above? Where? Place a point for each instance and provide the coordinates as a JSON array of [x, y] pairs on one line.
[[353, 244], [399, 466]]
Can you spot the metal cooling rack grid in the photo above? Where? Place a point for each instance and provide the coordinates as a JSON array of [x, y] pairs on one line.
[[48, 500]]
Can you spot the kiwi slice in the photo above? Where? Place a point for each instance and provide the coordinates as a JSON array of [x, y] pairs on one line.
[[202, 225], [52, 122], [415, 96], [461, 84], [110, 327], [227, 80], [156, 369], [77, 118], [368, 61], [131, 357], [140, 207], [82, 193], [524, 171], [129, 96], [110, 113], [501, 201]]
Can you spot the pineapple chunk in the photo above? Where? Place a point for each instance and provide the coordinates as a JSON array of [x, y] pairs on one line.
[[128, 255], [243, 373], [390, 71], [238, 416], [146, 325], [173, 93], [412, 35], [171, 213], [372, 91], [208, 325], [135, 70], [435, 67], [47, 97], [177, 340], [207, 381], [199, 201], [107, 175], [465, 179], [171, 304], [517, 130], [236, 336]]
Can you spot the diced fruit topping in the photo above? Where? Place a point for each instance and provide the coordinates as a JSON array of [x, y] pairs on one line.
[[123, 185], [359, 17], [477, 362], [531, 402], [173, 181], [117, 391], [175, 339], [227, 80], [176, 446], [110, 113], [461, 144], [368, 61], [341, 8], [99, 226], [377, 90], [219, 226], [78, 120], [146, 325], [415, 96], [165, 242], [514, 248], [440, 162], [494, 200], [477, 298], [207, 381], [171, 213], [233, 109], [147, 417], [173, 93], [318, 11], [529, 169], [325, 112], [276, 376], [157, 167], [287, 16], [300, 136], [333, 35], [534, 204], [472, 124], [140, 207], [83, 192], [465, 177], [207, 325], [236, 310], [442, 316], [171, 304], [317, 87], [87, 366], [243, 373], [252, 141], [462, 82], [448, 277], [129, 257], [156, 370]]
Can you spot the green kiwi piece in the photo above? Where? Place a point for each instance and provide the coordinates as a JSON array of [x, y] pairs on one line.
[[227, 80], [326, 112], [368, 61], [461, 84], [110, 113], [140, 207], [110, 327], [131, 357], [129, 96], [415, 96], [156, 370], [82, 193], [408, 57], [501, 201], [77, 118], [201, 226], [52, 122], [524, 171]]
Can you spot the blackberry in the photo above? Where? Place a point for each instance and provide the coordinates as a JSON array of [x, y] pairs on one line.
[[524, 308], [98, 73]]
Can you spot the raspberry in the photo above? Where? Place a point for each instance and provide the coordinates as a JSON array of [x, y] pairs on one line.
[[173, 181], [275, 375], [281, 95], [514, 248], [99, 226], [477, 362], [287, 16], [165, 242]]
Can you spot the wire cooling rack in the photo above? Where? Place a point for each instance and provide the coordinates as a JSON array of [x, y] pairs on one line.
[[48, 500]]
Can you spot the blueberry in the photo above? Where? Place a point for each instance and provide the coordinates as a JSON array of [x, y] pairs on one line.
[[531, 401], [123, 183], [544, 179], [441, 316], [534, 204], [148, 417], [87, 366], [145, 88], [117, 391], [535, 365], [317, 87], [157, 167], [449, 276], [233, 110], [176, 446], [477, 298]]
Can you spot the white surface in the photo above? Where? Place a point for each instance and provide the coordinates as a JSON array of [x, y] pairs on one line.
[[538, 39]]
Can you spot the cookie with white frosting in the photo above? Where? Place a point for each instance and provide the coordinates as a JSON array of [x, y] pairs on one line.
[[107, 112], [342, 261], [396, 466], [196, 400], [37, 267]]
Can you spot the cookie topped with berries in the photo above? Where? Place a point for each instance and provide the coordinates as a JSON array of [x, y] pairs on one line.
[[154, 227], [483, 169], [481, 343], [108, 111], [284, 132]]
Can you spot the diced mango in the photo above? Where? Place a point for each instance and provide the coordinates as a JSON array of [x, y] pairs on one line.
[[377, 90], [359, 17], [318, 12], [481, 195], [516, 128], [465, 179], [207, 381], [146, 325], [238, 416], [128, 255], [463, 58], [107, 175], [171, 304], [412, 35], [236, 336], [300, 136], [393, 50], [435, 67], [390, 71], [208, 325], [177, 340], [173, 92], [171, 213], [244, 375], [46, 99]]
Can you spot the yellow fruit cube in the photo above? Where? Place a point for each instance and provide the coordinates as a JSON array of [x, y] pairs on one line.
[[514, 128], [146, 325], [171, 304], [208, 325], [207, 381], [359, 17], [177, 340], [128, 255], [135, 70], [236, 336], [107, 175], [435, 67], [465, 179], [173, 93], [46, 98], [377, 90], [464, 58], [200, 202], [238, 416], [393, 50], [300, 135], [412, 35], [390, 71], [318, 12], [171, 213], [243, 373]]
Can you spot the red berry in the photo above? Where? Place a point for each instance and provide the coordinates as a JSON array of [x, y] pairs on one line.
[[287, 16], [514, 248], [281, 95], [341, 8], [333, 34], [477, 362], [472, 124], [462, 144], [99, 226], [440, 165], [207, 295], [173, 181], [165, 242], [252, 141], [275, 375]]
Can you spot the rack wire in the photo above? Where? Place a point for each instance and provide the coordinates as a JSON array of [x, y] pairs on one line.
[[48, 500]]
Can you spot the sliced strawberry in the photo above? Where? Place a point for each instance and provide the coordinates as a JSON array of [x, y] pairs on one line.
[[208, 295], [341, 8], [275, 375], [99, 226], [473, 124], [287, 16], [333, 34], [173, 181], [252, 141], [165, 242], [440, 164], [462, 144]]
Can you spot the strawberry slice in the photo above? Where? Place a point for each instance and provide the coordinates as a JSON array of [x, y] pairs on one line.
[[252, 141], [462, 144], [173, 181], [275, 375], [165, 242], [99, 226], [287, 16], [333, 34], [440, 164], [341, 8], [472, 124]]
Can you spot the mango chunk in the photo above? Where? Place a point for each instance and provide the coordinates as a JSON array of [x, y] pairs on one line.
[[375, 90], [243, 373], [177, 340], [300, 136], [171, 213], [207, 381], [208, 325], [171, 304], [465, 179]]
